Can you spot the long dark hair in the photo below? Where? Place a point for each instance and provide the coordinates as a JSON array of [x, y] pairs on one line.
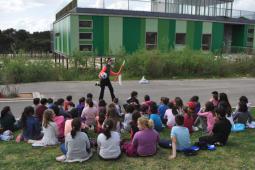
[[5, 111], [224, 99], [28, 111], [209, 107], [76, 126], [101, 114], [108, 126], [178, 102], [173, 107]]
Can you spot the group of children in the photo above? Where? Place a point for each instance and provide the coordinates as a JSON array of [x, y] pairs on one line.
[[49, 123]]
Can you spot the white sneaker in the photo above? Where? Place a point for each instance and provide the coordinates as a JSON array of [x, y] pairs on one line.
[[61, 158]]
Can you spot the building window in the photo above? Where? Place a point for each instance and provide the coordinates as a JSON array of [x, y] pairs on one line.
[[206, 41], [251, 31], [85, 47], [85, 24], [151, 40], [180, 39], [86, 36]]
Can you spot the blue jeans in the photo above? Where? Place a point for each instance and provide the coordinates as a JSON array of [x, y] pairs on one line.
[[63, 148]]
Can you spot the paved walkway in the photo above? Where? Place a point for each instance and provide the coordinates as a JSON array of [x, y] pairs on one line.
[[169, 88]]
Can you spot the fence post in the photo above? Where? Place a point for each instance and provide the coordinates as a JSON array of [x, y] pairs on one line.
[[101, 62], [59, 59], [67, 63]]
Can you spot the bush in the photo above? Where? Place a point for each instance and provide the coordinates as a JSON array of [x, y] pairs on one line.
[[184, 64], [153, 64], [22, 71]]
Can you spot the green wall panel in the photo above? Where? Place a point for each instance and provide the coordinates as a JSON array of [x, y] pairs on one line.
[[194, 35], [254, 37], [207, 28], [85, 30], [133, 34], [64, 27], [74, 34], [239, 35], [85, 17], [151, 25], [106, 35], [100, 35], [217, 36], [181, 26], [115, 34], [166, 34], [85, 42]]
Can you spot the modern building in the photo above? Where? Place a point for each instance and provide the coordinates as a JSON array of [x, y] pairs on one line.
[[109, 26]]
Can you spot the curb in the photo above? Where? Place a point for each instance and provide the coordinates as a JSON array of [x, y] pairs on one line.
[[9, 100]]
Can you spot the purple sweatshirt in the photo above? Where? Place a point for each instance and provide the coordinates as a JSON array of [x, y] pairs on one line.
[[145, 142]]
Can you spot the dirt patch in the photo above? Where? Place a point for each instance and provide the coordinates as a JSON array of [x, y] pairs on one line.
[[25, 95]]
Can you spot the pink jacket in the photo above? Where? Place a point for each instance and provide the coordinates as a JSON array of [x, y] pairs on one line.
[[60, 121], [210, 120]]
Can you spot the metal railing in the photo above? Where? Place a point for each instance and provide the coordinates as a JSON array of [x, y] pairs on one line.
[[167, 7]]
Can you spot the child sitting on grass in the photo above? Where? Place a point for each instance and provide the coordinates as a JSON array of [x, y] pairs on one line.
[[118, 107], [179, 136], [7, 120], [80, 106], [154, 116], [67, 101], [195, 100], [89, 113], [163, 106], [220, 131], [30, 125], [113, 115], [144, 109], [215, 98], [109, 142], [100, 120], [146, 140], [60, 122], [209, 114], [128, 117], [134, 126], [170, 115], [77, 145], [242, 116], [245, 100], [188, 119], [50, 130]]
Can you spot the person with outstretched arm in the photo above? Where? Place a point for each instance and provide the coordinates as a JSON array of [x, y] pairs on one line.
[[104, 76]]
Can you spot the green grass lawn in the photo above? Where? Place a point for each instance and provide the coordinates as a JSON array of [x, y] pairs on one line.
[[238, 154]]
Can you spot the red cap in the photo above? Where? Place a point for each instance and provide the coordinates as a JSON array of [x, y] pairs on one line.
[[191, 105]]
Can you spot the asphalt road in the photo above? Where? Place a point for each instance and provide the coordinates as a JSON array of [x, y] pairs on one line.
[[156, 89]]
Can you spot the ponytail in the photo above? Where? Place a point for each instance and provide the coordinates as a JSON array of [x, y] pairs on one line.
[[108, 125], [146, 123], [150, 124], [76, 126]]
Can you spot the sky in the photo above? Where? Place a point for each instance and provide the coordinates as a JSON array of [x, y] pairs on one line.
[[38, 15]]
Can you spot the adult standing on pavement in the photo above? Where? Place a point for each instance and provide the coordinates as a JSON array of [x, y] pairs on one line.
[[104, 76]]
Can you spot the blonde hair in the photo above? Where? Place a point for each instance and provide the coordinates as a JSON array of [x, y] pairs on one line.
[[145, 122], [47, 117]]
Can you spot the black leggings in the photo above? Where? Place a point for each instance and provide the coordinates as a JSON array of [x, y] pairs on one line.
[[104, 83]]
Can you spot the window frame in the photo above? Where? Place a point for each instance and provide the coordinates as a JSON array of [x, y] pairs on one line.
[[86, 33], [148, 45], [87, 45], [86, 20], [185, 34], [203, 46]]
